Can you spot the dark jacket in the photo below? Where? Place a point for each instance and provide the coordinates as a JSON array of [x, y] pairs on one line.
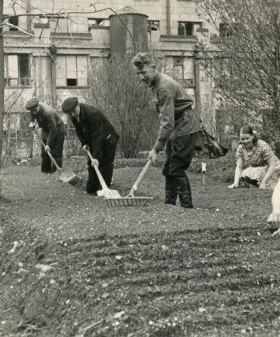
[[48, 119], [93, 128], [174, 106]]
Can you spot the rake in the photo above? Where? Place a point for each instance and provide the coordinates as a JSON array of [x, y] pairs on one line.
[[113, 197], [130, 199]]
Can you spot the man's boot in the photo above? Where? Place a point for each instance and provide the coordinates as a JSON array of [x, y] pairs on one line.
[[184, 190], [170, 191]]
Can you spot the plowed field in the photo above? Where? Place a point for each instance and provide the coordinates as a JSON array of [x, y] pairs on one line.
[[72, 266]]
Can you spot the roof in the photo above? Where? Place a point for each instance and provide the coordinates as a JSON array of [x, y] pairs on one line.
[[128, 10]]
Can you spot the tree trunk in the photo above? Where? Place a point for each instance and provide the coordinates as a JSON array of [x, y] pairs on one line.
[[2, 100], [1, 91]]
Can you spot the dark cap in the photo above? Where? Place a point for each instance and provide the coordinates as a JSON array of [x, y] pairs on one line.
[[32, 104], [69, 104]]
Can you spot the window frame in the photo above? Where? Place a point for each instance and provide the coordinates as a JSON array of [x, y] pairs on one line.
[[22, 81], [64, 73], [150, 23], [199, 23]]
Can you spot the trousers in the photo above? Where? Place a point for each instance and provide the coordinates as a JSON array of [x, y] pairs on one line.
[[106, 165], [56, 150], [179, 154]]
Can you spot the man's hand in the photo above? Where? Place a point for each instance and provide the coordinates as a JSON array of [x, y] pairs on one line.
[[31, 125], [86, 147], [153, 156], [47, 148], [94, 162]]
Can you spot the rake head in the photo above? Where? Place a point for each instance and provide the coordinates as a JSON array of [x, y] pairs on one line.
[[128, 201]]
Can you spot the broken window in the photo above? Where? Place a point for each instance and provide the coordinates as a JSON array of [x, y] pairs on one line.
[[188, 28], [13, 20], [153, 25], [17, 70], [95, 22], [178, 67], [71, 70]]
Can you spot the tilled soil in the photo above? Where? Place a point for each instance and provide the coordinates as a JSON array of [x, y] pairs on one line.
[[72, 266]]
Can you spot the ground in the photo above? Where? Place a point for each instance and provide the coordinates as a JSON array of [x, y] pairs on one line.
[[72, 266]]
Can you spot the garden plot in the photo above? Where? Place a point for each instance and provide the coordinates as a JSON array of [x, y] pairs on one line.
[[71, 266]]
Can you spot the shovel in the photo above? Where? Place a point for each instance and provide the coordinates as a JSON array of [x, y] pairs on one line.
[[105, 192], [65, 175]]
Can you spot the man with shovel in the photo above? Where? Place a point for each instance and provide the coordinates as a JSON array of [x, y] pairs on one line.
[[53, 133], [98, 136], [179, 125]]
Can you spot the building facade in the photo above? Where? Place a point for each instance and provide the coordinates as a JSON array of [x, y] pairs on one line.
[[49, 46]]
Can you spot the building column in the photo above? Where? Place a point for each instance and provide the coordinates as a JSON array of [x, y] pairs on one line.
[[197, 79], [53, 51]]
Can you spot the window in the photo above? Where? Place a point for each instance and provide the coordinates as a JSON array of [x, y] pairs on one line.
[[71, 70], [59, 25], [225, 30], [188, 28], [17, 70], [13, 20], [93, 22], [178, 67], [152, 25]]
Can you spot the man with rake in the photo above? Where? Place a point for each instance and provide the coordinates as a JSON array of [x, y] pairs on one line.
[[97, 135], [179, 125]]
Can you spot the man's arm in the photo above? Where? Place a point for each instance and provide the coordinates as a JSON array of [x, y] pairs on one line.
[[52, 129], [167, 112]]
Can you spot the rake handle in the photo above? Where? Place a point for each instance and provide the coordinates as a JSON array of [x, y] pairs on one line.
[[99, 175], [142, 175], [48, 152]]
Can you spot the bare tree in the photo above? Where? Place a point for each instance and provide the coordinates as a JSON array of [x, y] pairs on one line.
[[115, 89], [2, 98], [52, 16], [246, 62]]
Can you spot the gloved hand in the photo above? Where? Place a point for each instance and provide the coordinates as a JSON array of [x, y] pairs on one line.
[[32, 125], [47, 148], [153, 155], [94, 162], [86, 147]]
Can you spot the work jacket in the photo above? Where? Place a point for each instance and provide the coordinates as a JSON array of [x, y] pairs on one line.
[[50, 121], [93, 128], [174, 106]]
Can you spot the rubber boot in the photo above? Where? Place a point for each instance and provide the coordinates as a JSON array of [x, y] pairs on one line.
[[184, 190], [170, 191]]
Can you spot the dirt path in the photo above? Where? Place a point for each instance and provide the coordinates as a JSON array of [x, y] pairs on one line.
[[151, 271]]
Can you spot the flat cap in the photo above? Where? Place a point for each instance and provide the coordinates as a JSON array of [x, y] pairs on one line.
[[69, 104], [32, 104]]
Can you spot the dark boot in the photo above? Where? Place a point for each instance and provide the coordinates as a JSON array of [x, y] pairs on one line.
[[185, 193], [170, 191]]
